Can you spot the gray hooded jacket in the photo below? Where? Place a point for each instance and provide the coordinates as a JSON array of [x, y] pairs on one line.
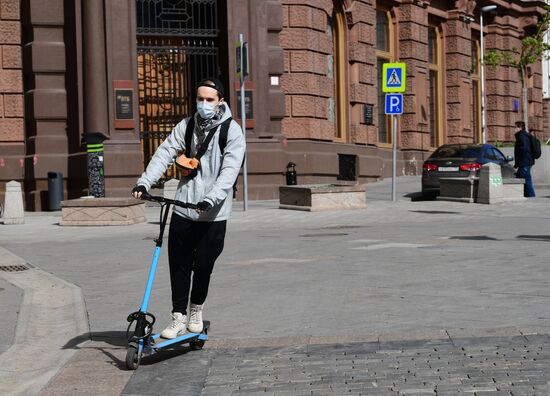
[[217, 172]]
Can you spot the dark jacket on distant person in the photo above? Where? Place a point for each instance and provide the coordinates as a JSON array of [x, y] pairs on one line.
[[522, 150]]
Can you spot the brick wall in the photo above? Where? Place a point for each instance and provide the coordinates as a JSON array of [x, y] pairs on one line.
[[12, 129], [11, 76]]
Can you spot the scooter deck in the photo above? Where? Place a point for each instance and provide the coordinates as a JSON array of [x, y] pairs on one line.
[[160, 342]]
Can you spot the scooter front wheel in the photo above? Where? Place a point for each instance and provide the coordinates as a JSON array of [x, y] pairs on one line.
[[133, 358]]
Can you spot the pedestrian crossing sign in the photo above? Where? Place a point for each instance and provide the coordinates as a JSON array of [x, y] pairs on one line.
[[394, 77]]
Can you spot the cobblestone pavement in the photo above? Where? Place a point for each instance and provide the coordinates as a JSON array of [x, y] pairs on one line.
[[515, 366]]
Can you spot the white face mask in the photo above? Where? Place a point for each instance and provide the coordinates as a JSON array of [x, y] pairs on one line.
[[206, 110]]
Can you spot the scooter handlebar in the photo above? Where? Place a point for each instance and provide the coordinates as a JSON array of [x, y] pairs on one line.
[[156, 198]]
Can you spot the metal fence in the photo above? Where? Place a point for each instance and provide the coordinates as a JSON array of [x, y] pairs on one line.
[[177, 46]]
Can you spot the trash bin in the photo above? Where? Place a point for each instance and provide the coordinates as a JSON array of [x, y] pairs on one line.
[[55, 190]]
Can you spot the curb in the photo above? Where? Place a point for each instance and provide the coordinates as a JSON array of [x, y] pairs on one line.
[[449, 335], [52, 321]]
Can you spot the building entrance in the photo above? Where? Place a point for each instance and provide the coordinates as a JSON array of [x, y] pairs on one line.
[[178, 44]]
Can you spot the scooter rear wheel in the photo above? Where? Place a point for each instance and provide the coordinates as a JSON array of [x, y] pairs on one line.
[[133, 358], [196, 344]]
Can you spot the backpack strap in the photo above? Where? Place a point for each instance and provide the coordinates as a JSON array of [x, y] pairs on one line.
[[189, 135], [204, 145], [222, 140]]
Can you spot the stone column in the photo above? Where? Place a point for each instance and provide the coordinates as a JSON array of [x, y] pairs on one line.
[[459, 87], [502, 83], [45, 97], [413, 50], [94, 67], [12, 126]]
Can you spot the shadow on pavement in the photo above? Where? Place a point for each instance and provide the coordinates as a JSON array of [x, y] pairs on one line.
[[474, 238], [117, 339], [419, 196], [434, 211], [543, 238]]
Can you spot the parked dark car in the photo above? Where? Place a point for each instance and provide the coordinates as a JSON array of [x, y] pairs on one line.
[[461, 160]]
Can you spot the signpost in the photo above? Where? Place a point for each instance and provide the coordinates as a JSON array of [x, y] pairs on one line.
[[242, 72], [394, 77]]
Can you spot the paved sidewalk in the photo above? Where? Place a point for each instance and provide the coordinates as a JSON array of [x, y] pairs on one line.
[[298, 289]]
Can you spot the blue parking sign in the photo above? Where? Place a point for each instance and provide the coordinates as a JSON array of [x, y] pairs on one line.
[[394, 103]]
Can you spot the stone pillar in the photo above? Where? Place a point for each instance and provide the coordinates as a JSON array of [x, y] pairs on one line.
[[502, 83], [362, 60], [413, 50], [490, 188], [459, 88], [94, 67], [308, 83], [12, 128], [45, 97], [110, 62], [13, 205]]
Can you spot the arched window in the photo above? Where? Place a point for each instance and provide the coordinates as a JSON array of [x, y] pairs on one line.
[[384, 54], [435, 99], [476, 90], [339, 106]]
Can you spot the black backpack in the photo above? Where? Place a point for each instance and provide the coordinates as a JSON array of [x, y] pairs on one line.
[[222, 141], [535, 146]]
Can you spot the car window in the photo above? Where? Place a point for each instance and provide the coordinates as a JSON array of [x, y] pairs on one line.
[[460, 151], [498, 154], [491, 155]]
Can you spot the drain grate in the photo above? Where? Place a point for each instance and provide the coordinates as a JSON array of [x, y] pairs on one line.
[[13, 268]]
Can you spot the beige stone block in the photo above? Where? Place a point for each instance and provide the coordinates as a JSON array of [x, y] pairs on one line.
[[286, 17], [490, 189], [358, 93], [9, 9], [11, 57], [308, 61], [358, 52], [302, 83], [322, 197], [13, 105], [10, 32], [365, 33], [102, 212], [12, 129], [303, 106], [13, 204], [11, 81]]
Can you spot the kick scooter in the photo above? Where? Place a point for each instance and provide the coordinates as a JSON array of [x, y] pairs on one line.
[[143, 341]]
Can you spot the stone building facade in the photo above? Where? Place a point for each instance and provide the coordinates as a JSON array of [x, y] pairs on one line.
[[314, 86]]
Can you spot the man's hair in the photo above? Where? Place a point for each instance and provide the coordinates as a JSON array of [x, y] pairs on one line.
[[212, 82], [520, 125]]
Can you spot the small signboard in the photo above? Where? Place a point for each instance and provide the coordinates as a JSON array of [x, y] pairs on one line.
[[394, 76], [394, 104], [241, 51], [124, 104]]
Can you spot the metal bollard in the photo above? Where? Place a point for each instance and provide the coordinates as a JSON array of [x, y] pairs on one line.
[[291, 178], [96, 176]]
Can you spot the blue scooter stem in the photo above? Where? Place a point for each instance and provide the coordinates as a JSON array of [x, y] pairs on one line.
[[150, 280]]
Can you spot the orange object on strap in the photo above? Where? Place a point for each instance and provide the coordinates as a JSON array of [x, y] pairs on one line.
[[187, 165]]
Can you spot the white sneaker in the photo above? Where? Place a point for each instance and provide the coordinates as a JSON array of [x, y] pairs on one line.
[[177, 327], [195, 318]]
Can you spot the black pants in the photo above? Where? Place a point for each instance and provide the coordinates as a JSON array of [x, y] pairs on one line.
[[192, 246]]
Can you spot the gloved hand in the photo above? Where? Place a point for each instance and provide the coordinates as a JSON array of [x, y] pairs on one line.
[[138, 190], [204, 206]]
